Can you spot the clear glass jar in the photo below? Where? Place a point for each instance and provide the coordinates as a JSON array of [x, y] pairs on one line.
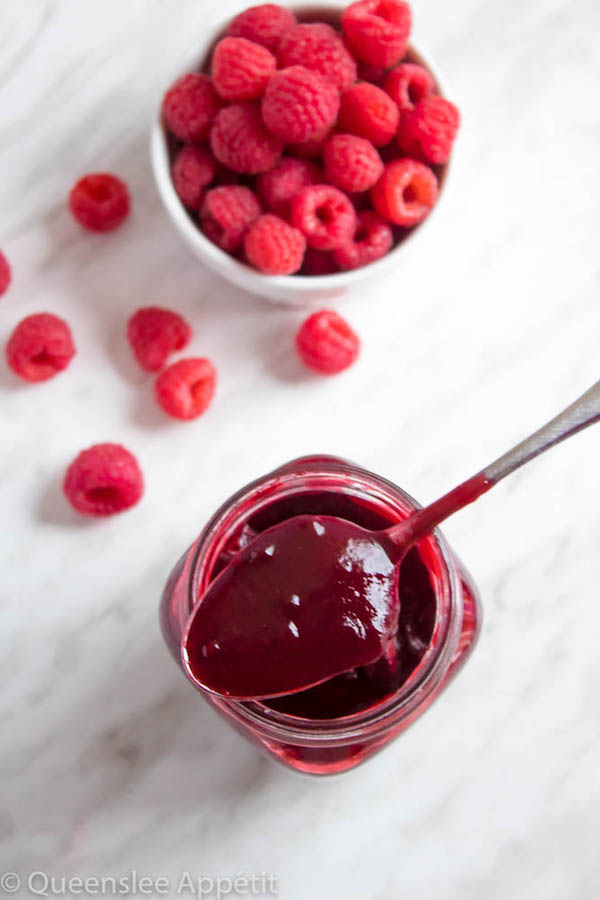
[[334, 745]]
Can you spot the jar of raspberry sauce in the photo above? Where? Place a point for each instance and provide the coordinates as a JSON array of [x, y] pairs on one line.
[[339, 724]]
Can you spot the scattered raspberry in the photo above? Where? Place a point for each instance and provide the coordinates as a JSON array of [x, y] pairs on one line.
[[325, 216], [407, 84], [103, 480], [194, 168], [226, 214], [318, 47], [299, 105], [369, 112], [185, 389], [240, 141], [312, 149], [190, 106], [373, 239], [318, 262], [428, 131], [377, 31], [326, 343], [40, 346], [5, 274], [405, 193], [241, 69], [352, 163], [264, 25], [154, 334], [100, 201], [277, 186], [274, 247]]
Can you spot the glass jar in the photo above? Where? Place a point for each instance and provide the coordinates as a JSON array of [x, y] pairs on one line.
[[329, 746]]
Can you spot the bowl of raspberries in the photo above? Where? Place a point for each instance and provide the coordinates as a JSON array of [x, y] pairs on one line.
[[305, 148]]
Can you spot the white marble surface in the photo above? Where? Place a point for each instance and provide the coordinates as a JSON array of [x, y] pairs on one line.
[[108, 759]]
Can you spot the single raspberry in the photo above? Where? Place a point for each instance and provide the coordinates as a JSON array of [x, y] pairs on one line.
[[226, 214], [103, 480], [326, 343], [5, 274], [369, 112], [277, 186], [190, 106], [185, 389], [377, 31], [318, 262], [311, 149], [100, 201], [194, 168], [241, 69], [154, 334], [240, 141], [405, 193], [264, 25], [274, 247], [407, 84], [299, 105], [318, 47], [373, 239], [428, 131], [40, 346], [324, 215], [352, 163]]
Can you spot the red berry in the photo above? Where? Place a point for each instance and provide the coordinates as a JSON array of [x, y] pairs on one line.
[[185, 389], [264, 25], [277, 186], [375, 74], [373, 239], [326, 343], [241, 69], [318, 47], [407, 84], [318, 262], [369, 112], [103, 480], [40, 346], [310, 149], [226, 215], [274, 247], [428, 131], [194, 168], [100, 201], [377, 31], [299, 105], [352, 163], [240, 140], [325, 216], [190, 106], [154, 334], [5, 274], [405, 193]]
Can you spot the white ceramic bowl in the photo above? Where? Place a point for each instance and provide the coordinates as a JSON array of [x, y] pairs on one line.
[[298, 289]]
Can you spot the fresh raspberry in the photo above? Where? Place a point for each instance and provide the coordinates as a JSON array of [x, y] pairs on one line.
[[405, 193], [194, 168], [351, 163], [40, 346], [326, 343], [407, 84], [264, 25], [100, 201], [241, 69], [374, 74], [373, 239], [369, 112], [312, 149], [103, 480], [226, 214], [274, 247], [428, 131], [5, 274], [325, 216], [277, 186], [299, 105], [185, 389], [318, 47], [377, 31], [318, 262], [154, 334], [240, 141], [190, 106]]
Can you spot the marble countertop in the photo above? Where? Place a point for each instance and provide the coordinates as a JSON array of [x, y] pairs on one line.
[[109, 761]]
